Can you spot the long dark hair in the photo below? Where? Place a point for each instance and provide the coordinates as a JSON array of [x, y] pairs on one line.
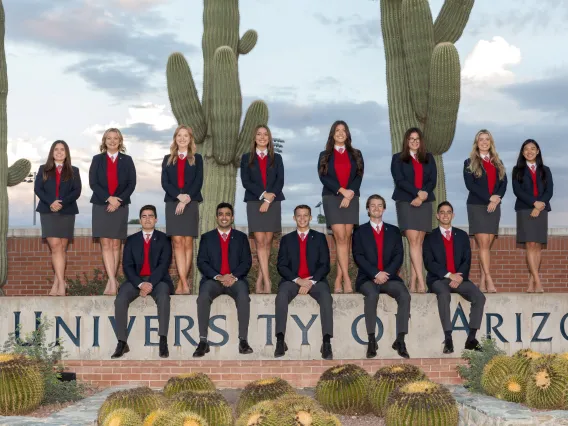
[[519, 169], [420, 154], [50, 167], [355, 153], [270, 147]]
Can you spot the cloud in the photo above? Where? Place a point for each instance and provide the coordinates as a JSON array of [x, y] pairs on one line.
[[489, 61], [542, 94], [363, 33], [118, 48]]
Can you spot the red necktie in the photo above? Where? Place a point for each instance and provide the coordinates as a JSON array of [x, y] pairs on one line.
[[341, 150], [533, 168], [262, 155], [448, 235], [181, 156], [302, 236], [224, 236], [147, 237], [59, 168]]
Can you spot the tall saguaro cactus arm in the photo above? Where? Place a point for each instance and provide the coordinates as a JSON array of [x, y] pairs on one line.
[[9, 176], [451, 20], [216, 120]]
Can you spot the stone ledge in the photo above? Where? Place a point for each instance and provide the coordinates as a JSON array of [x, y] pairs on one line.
[[482, 410]]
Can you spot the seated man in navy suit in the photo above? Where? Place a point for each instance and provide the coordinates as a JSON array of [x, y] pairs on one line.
[[447, 258], [303, 263], [224, 261], [146, 259], [378, 252]]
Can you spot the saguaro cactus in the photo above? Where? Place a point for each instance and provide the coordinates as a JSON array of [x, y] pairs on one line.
[[216, 119], [423, 72], [9, 176]]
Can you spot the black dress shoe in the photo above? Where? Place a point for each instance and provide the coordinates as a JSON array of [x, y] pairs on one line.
[[326, 352], [164, 351], [281, 348], [202, 349], [372, 347], [121, 349], [400, 348], [244, 347], [473, 345], [448, 346]]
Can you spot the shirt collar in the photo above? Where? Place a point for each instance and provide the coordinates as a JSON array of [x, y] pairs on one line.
[[337, 148], [260, 151], [221, 232], [58, 164], [305, 232], [144, 233], [182, 153], [486, 157], [529, 164], [443, 231], [112, 156], [375, 226]]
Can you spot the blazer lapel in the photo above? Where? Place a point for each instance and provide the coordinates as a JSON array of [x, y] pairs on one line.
[[233, 249], [154, 250], [311, 251], [120, 166], [331, 164], [353, 171], [139, 254], [295, 252], [440, 243], [371, 244]]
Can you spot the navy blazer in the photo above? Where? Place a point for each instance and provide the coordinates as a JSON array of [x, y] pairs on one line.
[[365, 253], [252, 179], [434, 254], [477, 186], [69, 192], [193, 179], [403, 175], [317, 253], [524, 191], [99, 183], [331, 184], [160, 257], [209, 255]]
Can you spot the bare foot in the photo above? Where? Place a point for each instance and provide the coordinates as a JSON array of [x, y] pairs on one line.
[[267, 287], [347, 288], [54, 288], [530, 289], [110, 289], [61, 290], [421, 288]]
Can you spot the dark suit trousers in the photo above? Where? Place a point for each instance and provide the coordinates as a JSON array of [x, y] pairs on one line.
[[468, 291], [127, 294], [288, 290], [210, 290], [395, 289]]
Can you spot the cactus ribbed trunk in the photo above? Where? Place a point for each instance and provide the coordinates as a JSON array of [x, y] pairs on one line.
[[9, 176], [423, 76], [216, 119]]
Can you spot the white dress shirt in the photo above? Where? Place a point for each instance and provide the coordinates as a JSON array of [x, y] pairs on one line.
[[306, 233]]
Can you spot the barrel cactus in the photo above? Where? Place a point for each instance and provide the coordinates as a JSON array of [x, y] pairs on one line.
[[188, 382], [154, 416], [21, 385], [216, 119], [261, 390], [388, 378], [212, 406], [141, 400], [523, 359], [9, 176], [343, 389], [298, 410], [421, 403], [257, 415], [513, 389], [184, 418], [547, 384], [495, 372], [122, 417]]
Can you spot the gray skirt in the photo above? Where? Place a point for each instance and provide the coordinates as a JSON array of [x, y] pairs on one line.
[[185, 224], [340, 216], [532, 229], [56, 225], [110, 225], [414, 218], [482, 222], [270, 221]]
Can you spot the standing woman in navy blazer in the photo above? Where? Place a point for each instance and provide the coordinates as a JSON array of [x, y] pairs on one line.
[[533, 187], [340, 169], [486, 180], [58, 186], [182, 179], [262, 176], [112, 177], [415, 175]]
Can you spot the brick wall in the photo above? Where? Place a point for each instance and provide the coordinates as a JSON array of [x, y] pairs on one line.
[[29, 263], [236, 374]]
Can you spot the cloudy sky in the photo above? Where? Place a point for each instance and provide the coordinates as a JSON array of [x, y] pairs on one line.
[[77, 67]]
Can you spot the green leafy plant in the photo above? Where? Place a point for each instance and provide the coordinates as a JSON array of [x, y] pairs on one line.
[[48, 356], [473, 371], [93, 285]]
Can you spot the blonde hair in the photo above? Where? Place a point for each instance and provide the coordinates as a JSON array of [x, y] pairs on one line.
[[475, 166], [270, 146], [191, 148], [121, 147]]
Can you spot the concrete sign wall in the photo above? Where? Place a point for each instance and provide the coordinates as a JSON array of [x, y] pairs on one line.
[[86, 325]]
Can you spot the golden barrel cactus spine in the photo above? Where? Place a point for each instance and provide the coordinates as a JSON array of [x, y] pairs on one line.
[[21, 385], [343, 389], [212, 406], [547, 384], [523, 359], [188, 382], [184, 418], [141, 400], [261, 390], [256, 415], [122, 417], [494, 373], [513, 389], [421, 403]]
